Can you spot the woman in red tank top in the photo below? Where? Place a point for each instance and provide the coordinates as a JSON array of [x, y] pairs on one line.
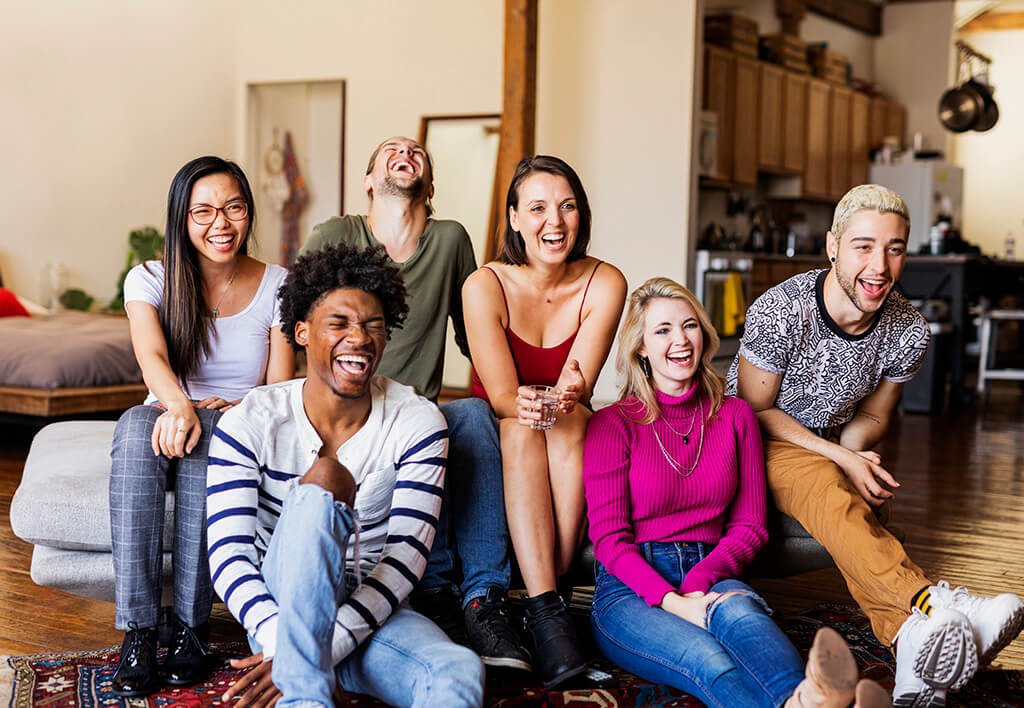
[[543, 312]]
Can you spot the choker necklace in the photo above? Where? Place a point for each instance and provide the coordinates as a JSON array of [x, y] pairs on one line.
[[216, 308], [679, 468]]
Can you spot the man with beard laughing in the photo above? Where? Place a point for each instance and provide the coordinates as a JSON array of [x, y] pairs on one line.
[[322, 501], [464, 586], [822, 361]]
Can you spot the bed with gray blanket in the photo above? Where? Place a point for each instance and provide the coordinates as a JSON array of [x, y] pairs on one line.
[[66, 364]]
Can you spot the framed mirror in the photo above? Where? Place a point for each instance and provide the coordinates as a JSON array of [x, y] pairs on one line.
[[464, 149]]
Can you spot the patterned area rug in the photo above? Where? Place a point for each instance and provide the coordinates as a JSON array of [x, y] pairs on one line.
[[82, 679]]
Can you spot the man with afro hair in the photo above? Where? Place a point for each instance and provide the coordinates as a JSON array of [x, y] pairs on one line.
[[322, 500]]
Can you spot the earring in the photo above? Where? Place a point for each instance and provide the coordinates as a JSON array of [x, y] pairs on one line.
[[645, 366], [833, 259]]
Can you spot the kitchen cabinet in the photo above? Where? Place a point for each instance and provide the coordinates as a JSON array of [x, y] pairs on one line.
[[780, 122], [860, 147], [771, 121], [719, 66], [816, 169], [876, 124], [794, 122], [896, 121], [839, 141], [888, 119], [744, 165]]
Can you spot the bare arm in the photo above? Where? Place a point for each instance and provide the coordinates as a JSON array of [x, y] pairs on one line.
[[281, 364], [605, 300], [177, 431], [760, 389], [872, 419], [484, 309]]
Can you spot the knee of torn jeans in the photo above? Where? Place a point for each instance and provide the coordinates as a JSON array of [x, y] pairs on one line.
[[732, 598]]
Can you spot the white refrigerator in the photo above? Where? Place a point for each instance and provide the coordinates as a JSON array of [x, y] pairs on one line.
[[925, 185]]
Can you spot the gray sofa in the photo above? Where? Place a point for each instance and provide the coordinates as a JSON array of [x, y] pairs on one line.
[[62, 508]]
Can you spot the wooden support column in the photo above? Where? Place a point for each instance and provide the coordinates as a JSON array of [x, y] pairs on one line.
[[519, 107]]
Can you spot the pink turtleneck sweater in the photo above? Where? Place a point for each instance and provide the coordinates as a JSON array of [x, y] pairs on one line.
[[634, 496]]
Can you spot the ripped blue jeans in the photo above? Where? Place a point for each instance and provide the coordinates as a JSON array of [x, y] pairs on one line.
[[741, 659]]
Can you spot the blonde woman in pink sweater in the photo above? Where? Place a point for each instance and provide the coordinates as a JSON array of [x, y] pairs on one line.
[[676, 495]]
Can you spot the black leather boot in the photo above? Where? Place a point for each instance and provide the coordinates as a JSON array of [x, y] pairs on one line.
[[186, 659], [557, 656], [136, 673]]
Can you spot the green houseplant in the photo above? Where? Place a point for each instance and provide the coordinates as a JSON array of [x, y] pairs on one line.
[[144, 244]]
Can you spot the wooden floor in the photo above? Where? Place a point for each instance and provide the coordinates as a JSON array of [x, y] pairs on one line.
[[961, 506]]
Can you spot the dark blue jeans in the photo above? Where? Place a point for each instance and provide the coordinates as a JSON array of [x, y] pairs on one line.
[[741, 659], [471, 531]]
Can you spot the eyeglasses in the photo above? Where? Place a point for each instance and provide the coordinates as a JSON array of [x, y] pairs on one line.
[[204, 214]]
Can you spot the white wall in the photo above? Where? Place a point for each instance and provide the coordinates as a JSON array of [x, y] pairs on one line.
[[914, 64], [104, 102], [400, 59], [993, 162], [101, 106], [615, 99]]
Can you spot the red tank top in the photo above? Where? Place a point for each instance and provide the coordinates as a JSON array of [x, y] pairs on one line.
[[534, 365]]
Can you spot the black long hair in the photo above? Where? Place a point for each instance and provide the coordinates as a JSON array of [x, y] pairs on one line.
[[513, 248], [184, 315]]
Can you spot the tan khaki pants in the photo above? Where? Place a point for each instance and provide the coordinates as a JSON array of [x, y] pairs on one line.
[[815, 491]]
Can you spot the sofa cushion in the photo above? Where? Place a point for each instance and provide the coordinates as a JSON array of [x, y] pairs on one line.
[[63, 500], [84, 573]]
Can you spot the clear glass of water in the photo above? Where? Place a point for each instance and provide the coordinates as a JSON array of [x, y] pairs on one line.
[[546, 398]]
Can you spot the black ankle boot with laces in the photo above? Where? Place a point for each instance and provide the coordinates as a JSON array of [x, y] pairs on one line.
[[136, 673], [186, 662], [557, 656]]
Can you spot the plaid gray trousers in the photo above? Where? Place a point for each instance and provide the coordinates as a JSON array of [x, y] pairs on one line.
[[138, 482]]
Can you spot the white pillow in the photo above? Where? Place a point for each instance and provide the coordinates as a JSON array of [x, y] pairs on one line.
[[33, 308]]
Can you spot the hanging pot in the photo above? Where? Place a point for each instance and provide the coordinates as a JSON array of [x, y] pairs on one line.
[[990, 114], [960, 108]]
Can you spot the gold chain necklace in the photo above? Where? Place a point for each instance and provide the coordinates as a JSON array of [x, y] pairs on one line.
[[679, 468], [685, 436], [216, 308]]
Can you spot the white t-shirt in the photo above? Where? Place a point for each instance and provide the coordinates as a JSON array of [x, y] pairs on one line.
[[240, 344]]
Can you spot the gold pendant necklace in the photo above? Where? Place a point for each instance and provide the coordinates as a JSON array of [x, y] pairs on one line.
[[216, 308], [679, 468], [685, 436]]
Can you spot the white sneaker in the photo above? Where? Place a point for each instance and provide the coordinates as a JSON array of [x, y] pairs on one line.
[[996, 621], [933, 654]]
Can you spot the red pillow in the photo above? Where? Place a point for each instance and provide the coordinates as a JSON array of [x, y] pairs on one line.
[[9, 305]]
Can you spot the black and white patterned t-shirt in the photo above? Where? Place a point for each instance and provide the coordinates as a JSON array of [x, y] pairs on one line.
[[826, 372]]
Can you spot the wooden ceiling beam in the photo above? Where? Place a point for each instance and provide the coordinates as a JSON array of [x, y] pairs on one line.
[[860, 15], [994, 22]]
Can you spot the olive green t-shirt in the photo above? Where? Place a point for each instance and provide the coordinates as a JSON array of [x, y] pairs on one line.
[[433, 276]]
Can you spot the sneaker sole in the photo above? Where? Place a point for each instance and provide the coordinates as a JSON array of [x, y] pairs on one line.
[[504, 662], [1007, 634], [927, 698], [948, 656]]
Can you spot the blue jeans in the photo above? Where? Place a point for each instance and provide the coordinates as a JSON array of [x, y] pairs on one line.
[[408, 661], [138, 484], [471, 529], [741, 659]]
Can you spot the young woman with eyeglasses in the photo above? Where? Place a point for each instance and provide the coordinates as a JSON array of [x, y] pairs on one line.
[[206, 328]]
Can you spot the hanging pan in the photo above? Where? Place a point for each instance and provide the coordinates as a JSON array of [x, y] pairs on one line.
[[961, 107]]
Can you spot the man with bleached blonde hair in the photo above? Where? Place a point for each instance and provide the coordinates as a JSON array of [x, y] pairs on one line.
[[822, 361]]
